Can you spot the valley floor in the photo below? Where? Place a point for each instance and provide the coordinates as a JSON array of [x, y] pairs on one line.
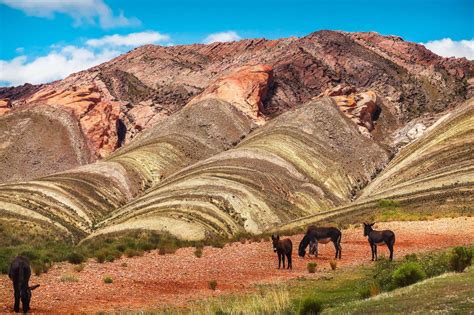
[[154, 280]]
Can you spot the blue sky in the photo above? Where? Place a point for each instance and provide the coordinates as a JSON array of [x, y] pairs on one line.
[[38, 36]]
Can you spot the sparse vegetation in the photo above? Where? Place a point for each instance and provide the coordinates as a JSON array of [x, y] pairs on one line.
[[79, 268], [75, 258], [69, 278], [108, 280], [460, 259], [198, 252], [310, 306], [212, 285], [333, 264], [408, 273], [312, 267]]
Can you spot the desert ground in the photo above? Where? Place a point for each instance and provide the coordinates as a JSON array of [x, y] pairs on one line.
[[153, 280]]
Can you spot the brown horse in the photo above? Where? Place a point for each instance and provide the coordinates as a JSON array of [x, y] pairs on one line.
[[20, 273], [385, 237], [283, 248], [323, 235]]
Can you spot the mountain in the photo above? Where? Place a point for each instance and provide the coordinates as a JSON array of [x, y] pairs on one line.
[[214, 140]]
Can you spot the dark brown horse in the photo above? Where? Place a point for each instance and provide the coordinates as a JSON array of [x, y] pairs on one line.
[[323, 235], [283, 248], [385, 237], [20, 273]]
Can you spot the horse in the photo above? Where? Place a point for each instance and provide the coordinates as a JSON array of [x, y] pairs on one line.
[[321, 235], [20, 273], [283, 248], [385, 237]]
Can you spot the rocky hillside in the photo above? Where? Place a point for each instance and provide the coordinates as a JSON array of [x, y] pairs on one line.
[[435, 172], [116, 101], [215, 140]]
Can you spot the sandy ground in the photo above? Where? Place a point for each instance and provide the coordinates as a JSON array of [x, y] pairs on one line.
[[175, 279]]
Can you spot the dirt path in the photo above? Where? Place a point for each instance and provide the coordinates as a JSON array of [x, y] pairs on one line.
[[154, 280]]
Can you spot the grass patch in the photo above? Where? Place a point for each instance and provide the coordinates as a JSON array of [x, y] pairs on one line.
[[69, 278], [108, 280], [312, 267], [347, 286], [450, 293]]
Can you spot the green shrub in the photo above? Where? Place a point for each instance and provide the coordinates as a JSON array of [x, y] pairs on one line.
[[212, 285], [68, 278], [383, 270], [408, 273], [108, 280], [79, 267], [312, 267], [31, 254], [121, 247], [76, 258], [310, 306], [100, 257], [110, 258], [435, 264], [130, 252], [460, 259], [145, 246], [388, 203], [38, 267], [198, 252], [411, 257]]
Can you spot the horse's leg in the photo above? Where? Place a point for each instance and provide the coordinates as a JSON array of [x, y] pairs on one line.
[[372, 248], [16, 306], [335, 247], [375, 250], [290, 265], [279, 260], [283, 258], [390, 248]]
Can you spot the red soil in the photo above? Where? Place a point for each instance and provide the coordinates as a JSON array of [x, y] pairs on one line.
[[175, 279]]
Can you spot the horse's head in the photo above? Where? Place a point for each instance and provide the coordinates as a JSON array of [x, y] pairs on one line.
[[275, 240], [27, 298], [368, 228], [302, 247]]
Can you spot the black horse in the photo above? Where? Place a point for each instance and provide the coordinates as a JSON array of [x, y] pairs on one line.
[[321, 235], [283, 248], [385, 237], [20, 273]]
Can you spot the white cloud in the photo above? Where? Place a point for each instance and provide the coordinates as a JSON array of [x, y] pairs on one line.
[[447, 47], [58, 64], [82, 11], [228, 36], [130, 40]]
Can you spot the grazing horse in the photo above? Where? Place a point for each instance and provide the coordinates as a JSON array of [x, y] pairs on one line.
[[20, 273], [385, 237], [283, 248], [323, 235]]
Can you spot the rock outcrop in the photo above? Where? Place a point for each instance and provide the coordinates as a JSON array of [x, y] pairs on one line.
[[5, 106], [246, 88], [97, 116], [360, 107]]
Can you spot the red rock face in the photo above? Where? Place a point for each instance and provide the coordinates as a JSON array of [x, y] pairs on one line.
[[245, 88], [262, 78], [97, 116], [5, 106]]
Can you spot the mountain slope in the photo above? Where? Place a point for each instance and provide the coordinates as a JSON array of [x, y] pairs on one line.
[[139, 89], [434, 172], [304, 161]]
